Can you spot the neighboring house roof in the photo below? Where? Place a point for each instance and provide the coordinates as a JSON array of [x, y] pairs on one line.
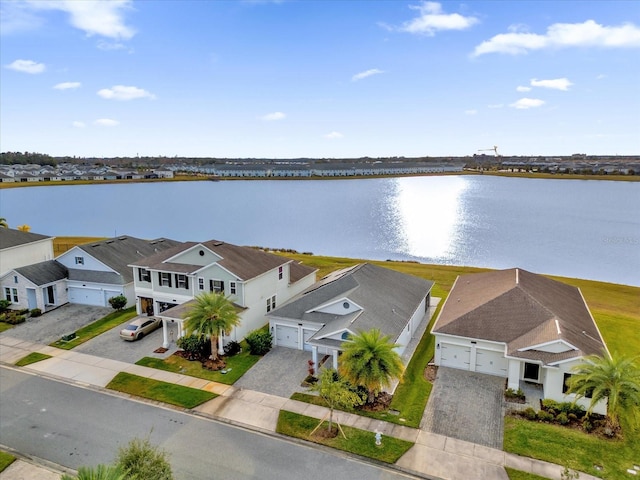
[[119, 252], [43, 273], [387, 300], [13, 238], [244, 262], [96, 276], [523, 310]]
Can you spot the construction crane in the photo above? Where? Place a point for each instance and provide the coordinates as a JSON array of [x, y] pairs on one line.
[[494, 149]]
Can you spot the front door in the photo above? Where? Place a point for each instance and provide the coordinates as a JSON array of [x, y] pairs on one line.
[[31, 298], [50, 295]]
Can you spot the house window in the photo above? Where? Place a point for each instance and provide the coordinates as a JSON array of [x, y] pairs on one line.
[[182, 281], [531, 371], [232, 288], [200, 283], [7, 293], [268, 305], [216, 286], [144, 275], [279, 273], [565, 383], [79, 260], [15, 279], [15, 295], [165, 279], [271, 303]]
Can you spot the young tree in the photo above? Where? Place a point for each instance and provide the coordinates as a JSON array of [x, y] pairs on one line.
[[369, 360], [118, 302], [336, 392], [140, 460], [212, 314], [614, 379]]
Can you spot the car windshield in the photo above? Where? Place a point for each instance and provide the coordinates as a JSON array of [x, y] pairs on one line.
[[131, 327]]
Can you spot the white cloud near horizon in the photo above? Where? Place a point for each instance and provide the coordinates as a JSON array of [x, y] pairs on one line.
[[333, 135], [366, 73], [94, 17], [563, 35], [526, 103], [106, 122], [522, 88], [67, 86], [27, 66], [124, 93], [78, 124], [554, 84], [432, 19], [270, 117]]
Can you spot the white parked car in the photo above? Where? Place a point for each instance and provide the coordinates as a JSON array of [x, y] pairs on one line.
[[139, 328]]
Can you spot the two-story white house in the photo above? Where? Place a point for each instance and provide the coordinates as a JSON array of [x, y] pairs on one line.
[[18, 249], [254, 280]]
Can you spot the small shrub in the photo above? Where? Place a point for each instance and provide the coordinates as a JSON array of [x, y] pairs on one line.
[[35, 312], [545, 416], [4, 305], [118, 302], [572, 417], [548, 404], [23, 311], [529, 413], [3, 317], [259, 342], [140, 459], [16, 319], [195, 347], [587, 426], [232, 348], [562, 418]]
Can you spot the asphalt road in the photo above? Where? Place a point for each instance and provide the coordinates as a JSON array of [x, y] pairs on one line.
[[74, 426]]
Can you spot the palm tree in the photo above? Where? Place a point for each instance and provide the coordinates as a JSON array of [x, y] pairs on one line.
[[3, 223], [212, 314], [369, 360], [614, 379], [99, 472]]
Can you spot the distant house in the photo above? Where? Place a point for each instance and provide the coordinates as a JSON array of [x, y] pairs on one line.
[[41, 285], [18, 248], [518, 325], [98, 271], [350, 301], [255, 281]]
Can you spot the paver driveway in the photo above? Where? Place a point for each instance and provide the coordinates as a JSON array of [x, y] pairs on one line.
[[467, 406]]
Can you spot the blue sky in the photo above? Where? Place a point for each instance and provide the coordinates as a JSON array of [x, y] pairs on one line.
[[321, 79]]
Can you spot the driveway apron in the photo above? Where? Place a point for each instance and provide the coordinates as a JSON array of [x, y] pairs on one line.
[[467, 406]]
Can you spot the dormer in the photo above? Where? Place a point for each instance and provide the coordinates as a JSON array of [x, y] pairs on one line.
[[196, 255], [341, 306]]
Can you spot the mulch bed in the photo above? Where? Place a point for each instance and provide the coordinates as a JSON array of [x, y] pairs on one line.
[[213, 365], [381, 403], [160, 350], [430, 373]]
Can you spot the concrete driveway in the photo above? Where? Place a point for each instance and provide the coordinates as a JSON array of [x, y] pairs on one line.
[[52, 325], [467, 406]]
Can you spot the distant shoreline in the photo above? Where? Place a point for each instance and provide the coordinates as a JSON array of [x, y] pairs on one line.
[[200, 178]]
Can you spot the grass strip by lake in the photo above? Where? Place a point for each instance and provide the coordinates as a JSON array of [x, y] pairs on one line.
[[159, 391], [6, 459], [33, 357], [360, 442], [237, 365], [96, 328], [572, 448]]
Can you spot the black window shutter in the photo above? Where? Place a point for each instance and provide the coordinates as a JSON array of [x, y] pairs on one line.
[[186, 282], [160, 278]]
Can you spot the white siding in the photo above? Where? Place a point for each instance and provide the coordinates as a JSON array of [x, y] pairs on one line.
[[26, 254]]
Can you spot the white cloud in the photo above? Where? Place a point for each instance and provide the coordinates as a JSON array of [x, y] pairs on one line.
[[471, 112], [495, 105], [525, 103], [333, 135], [123, 93], [27, 66], [563, 35], [67, 86], [106, 122], [365, 74], [94, 17], [432, 19], [17, 17], [555, 84], [78, 124], [269, 117], [522, 88]]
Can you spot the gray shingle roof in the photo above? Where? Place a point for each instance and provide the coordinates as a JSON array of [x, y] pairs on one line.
[[119, 252], [521, 309], [96, 276], [43, 273], [12, 238], [388, 299]]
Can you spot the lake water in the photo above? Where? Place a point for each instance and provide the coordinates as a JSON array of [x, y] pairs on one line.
[[585, 229]]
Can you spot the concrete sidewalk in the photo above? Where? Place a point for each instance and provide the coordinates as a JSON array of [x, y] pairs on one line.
[[432, 456]]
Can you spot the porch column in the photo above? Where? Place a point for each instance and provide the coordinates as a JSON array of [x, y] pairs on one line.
[[514, 375], [335, 359], [314, 357], [165, 334]]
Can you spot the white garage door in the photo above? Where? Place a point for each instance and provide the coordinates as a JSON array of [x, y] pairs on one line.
[[455, 356], [287, 336], [493, 363], [86, 296], [306, 335]]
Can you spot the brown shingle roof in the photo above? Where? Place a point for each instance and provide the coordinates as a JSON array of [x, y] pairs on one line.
[[521, 309]]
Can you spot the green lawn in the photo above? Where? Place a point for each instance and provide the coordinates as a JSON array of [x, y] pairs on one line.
[[237, 366], [170, 393], [94, 329], [520, 475], [33, 357], [6, 459], [360, 442], [5, 326]]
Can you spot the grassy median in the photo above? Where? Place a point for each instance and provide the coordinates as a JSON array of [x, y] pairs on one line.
[[96, 328]]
